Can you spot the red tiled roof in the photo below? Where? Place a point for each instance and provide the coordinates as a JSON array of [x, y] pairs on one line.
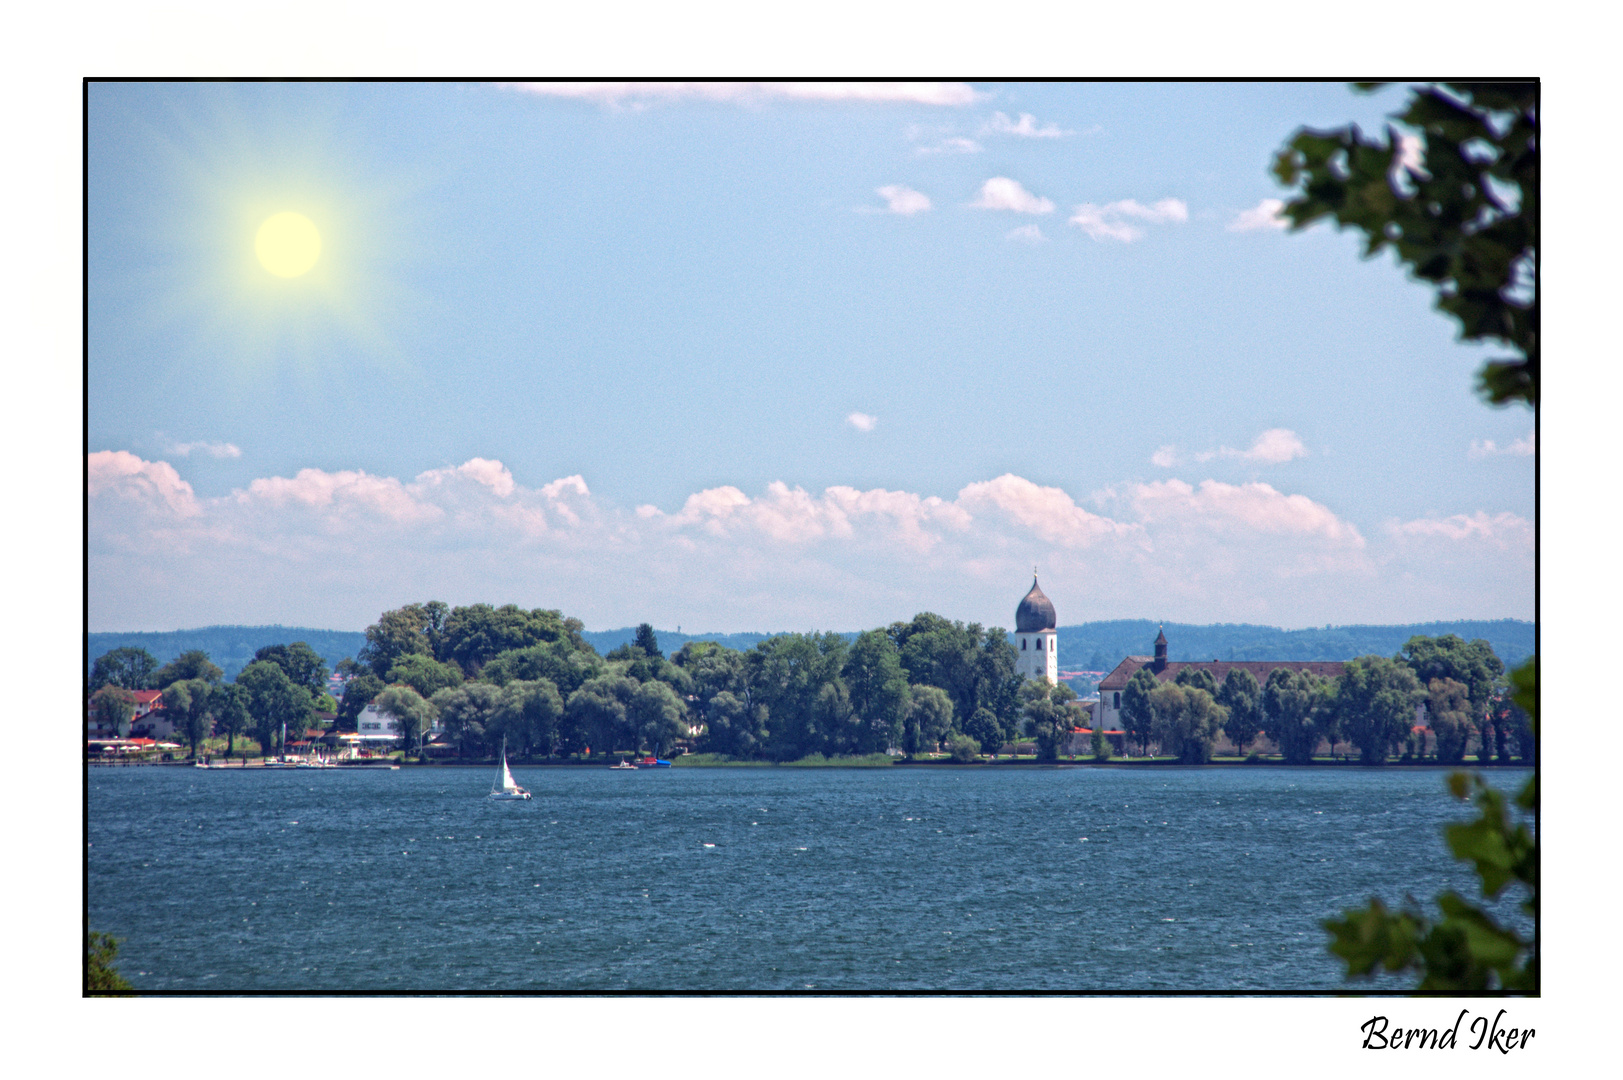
[[1260, 669], [148, 697]]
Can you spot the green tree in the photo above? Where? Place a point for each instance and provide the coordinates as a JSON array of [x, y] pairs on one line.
[[412, 715], [191, 704], [424, 674], [359, 692], [1241, 696], [1462, 214], [1199, 678], [131, 668], [301, 663], [530, 715], [101, 978], [1375, 700], [1137, 720], [228, 704], [1051, 713], [984, 728], [1185, 721], [193, 664], [648, 641], [400, 632], [655, 713], [595, 715], [787, 674], [929, 719], [878, 691], [275, 703], [1299, 712], [963, 748], [113, 707], [468, 712], [1472, 663], [733, 726], [478, 633], [1448, 707], [559, 662]]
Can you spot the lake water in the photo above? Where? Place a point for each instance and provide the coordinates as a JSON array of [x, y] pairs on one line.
[[932, 879]]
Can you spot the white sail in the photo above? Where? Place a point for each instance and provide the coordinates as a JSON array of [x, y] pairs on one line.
[[507, 777]]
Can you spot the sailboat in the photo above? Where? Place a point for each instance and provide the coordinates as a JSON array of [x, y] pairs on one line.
[[504, 787]]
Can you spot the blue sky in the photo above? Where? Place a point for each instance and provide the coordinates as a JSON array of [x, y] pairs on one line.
[[769, 358]]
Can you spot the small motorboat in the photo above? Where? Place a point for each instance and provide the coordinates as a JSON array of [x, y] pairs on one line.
[[623, 766], [652, 762], [503, 788]]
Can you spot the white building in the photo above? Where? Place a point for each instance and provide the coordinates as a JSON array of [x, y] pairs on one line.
[[1036, 637]]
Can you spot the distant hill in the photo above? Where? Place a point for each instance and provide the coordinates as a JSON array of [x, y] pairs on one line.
[[1094, 646], [232, 647], [1099, 646]]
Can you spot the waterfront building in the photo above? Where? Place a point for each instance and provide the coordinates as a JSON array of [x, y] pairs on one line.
[[1107, 714], [1036, 636]]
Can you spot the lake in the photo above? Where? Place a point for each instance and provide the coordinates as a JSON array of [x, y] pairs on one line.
[[756, 879]]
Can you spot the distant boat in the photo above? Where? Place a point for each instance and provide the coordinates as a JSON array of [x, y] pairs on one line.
[[503, 788], [652, 762], [624, 765]]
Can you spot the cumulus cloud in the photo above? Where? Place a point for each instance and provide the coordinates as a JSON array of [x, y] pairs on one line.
[[1165, 457], [338, 546], [1001, 193], [1483, 448], [862, 421], [642, 94], [1264, 215], [1273, 447], [1503, 530], [1029, 234], [903, 200], [1026, 127], [1111, 221], [212, 449], [952, 144]]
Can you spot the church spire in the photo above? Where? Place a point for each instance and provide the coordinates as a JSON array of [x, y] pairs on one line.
[[1160, 648]]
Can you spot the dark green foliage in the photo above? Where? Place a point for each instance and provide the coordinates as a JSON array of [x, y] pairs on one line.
[[656, 717], [114, 708], [787, 675], [300, 662], [1448, 707], [530, 716], [424, 674], [558, 662], [1299, 712], [1185, 721], [228, 704], [415, 628], [1450, 657], [878, 692], [1051, 712], [1375, 702], [595, 716], [648, 641], [964, 749], [733, 726], [193, 664], [412, 715], [1136, 718], [1102, 750], [986, 731], [358, 693], [1199, 679], [101, 978], [1464, 219], [974, 665], [130, 668], [190, 704], [1466, 950], [930, 720], [275, 703], [478, 633], [1241, 696], [468, 714]]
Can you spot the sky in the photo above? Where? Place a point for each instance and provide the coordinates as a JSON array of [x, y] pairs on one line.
[[749, 357]]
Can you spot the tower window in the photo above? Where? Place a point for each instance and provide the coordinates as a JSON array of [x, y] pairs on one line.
[[1116, 702], [1022, 644], [1039, 644]]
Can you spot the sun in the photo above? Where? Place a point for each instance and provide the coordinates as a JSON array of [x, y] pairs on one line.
[[288, 244]]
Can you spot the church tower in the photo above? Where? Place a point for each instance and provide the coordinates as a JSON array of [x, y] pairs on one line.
[[1035, 637]]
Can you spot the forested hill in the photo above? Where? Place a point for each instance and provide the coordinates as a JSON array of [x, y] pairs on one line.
[[1095, 646], [232, 647], [1099, 646]]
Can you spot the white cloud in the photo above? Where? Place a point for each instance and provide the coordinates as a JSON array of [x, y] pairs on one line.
[[642, 94], [1030, 234], [1166, 457], [1482, 448], [1001, 193], [862, 421], [1026, 127], [212, 449], [337, 547], [1265, 215], [903, 200], [1273, 447], [1106, 222], [953, 144]]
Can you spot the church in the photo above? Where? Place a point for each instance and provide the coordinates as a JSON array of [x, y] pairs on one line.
[[1107, 715], [1036, 636]]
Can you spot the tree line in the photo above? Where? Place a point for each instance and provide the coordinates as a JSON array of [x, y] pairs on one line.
[[1370, 706]]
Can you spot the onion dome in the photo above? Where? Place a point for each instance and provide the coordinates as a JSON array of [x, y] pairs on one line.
[[1036, 612]]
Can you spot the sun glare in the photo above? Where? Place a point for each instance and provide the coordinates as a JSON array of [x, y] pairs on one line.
[[288, 244]]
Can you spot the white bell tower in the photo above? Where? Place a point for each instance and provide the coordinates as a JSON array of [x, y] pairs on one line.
[[1036, 637]]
